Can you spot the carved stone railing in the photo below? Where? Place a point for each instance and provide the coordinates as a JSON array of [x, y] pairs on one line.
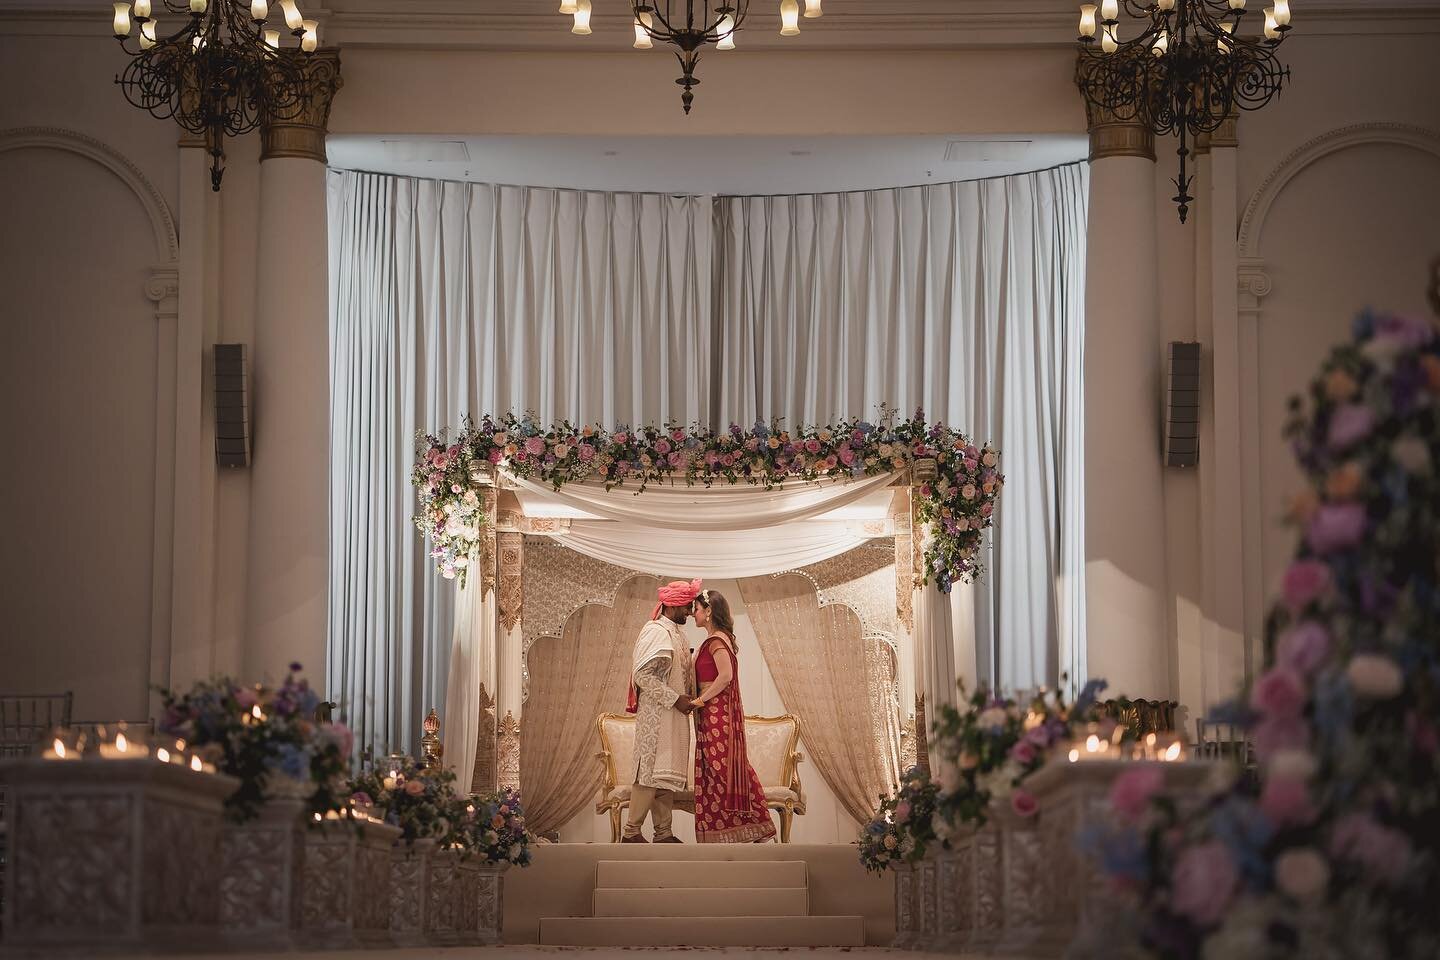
[[1021, 886], [440, 898]]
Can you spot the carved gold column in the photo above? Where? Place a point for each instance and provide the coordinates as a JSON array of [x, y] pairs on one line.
[[289, 493], [1125, 579]]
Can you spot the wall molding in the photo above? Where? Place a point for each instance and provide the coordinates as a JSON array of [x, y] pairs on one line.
[[1252, 222], [162, 222]]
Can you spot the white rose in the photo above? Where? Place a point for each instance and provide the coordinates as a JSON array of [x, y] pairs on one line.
[[561, 452], [450, 506], [1412, 454], [1302, 874], [462, 562], [448, 572], [941, 826], [1292, 765], [1374, 676]]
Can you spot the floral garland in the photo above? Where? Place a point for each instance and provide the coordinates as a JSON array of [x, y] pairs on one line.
[[957, 506], [1332, 849], [266, 738], [495, 828], [421, 801], [900, 831]]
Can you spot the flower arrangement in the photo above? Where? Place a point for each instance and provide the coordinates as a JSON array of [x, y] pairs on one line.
[[1332, 849], [957, 505], [266, 738], [901, 830], [450, 513], [494, 827], [421, 801]]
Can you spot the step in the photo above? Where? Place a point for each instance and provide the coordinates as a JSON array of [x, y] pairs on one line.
[[662, 874], [702, 902], [707, 931]]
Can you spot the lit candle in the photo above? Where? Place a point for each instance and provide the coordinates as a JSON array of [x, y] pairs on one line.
[[311, 39], [1087, 20], [1282, 13], [582, 18], [567, 6], [197, 7], [272, 39], [1110, 38], [59, 751], [726, 30], [162, 755], [642, 37], [1224, 43], [1271, 33], [196, 764], [122, 19], [789, 18], [1109, 11], [1162, 42], [1074, 754], [293, 20], [1092, 744], [259, 10], [1172, 752], [812, 9], [257, 713], [317, 818], [142, 9]]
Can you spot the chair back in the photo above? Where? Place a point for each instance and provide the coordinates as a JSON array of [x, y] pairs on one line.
[[1215, 741], [26, 718], [617, 739], [770, 744]]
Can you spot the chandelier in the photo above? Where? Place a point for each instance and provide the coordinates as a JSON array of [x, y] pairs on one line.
[[689, 26], [1187, 70], [221, 73]]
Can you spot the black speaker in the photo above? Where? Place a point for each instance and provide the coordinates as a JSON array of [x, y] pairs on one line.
[[232, 406], [1182, 414]]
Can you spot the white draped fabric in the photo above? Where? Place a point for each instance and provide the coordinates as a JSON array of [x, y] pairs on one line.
[[455, 298], [451, 298], [711, 554], [966, 299]]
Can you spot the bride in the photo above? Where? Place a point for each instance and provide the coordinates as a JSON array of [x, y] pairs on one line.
[[729, 801]]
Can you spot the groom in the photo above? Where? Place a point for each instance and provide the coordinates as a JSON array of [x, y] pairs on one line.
[[664, 682]]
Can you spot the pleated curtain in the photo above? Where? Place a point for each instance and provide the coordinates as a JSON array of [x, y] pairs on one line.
[[450, 299]]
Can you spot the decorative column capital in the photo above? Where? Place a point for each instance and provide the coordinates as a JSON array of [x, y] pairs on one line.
[[303, 135], [1224, 135], [1111, 136]]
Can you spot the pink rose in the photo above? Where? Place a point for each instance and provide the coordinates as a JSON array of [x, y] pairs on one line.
[[902, 811], [1383, 853], [1305, 581], [1023, 752], [830, 462], [1023, 802], [587, 452], [1279, 693], [535, 446], [752, 444], [711, 457], [812, 445], [677, 459], [1349, 424], [678, 436], [619, 438], [453, 452], [1204, 880], [662, 446], [986, 509], [1304, 646], [1131, 792], [1274, 734], [1336, 526], [414, 787], [728, 460], [1286, 802], [847, 456], [496, 455], [971, 452]]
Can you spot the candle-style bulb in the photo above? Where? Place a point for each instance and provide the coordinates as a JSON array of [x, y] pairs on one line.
[[1271, 29], [1109, 11], [789, 18], [272, 39], [812, 9], [122, 19], [642, 36], [726, 30], [1161, 43], [1282, 13], [581, 26], [1087, 20], [147, 34], [1110, 38], [142, 9], [293, 18], [311, 39], [1224, 43], [259, 10], [567, 6]]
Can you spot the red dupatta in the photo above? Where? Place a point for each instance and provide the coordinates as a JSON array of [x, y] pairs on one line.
[[736, 795]]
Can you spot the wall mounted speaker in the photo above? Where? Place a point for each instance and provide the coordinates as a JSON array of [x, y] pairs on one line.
[[232, 405], [1182, 398]]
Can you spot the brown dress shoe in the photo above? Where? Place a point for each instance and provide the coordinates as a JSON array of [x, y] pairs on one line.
[[670, 840], [635, 839]]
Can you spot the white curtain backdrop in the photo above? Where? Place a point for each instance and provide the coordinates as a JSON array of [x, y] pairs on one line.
[[711, 554], [966, 299], [453, 298], [448, 299]]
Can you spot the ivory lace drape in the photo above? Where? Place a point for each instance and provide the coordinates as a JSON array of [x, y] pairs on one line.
[[573, 679], [830, 675]]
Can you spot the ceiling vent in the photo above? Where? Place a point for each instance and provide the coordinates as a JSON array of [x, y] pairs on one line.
[[425, 151], [972, 151]]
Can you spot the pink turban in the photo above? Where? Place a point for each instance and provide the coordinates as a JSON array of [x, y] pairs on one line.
[[676, 593]]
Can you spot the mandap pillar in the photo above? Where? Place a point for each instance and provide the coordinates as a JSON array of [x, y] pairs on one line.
[[288, 561], [1125, 573]]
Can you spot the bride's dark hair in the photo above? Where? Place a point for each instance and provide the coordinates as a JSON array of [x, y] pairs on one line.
[[720, 616]]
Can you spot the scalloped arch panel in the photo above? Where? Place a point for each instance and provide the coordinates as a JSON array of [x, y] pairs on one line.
[[1252, 222], [162, 222]]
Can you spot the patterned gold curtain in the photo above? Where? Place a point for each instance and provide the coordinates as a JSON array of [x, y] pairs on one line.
[[574, 678], [837, 680]]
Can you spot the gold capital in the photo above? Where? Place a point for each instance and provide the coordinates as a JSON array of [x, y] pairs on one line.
[[304, 134], [1111, 135]]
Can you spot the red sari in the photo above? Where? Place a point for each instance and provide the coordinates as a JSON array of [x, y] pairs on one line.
[[729, 801]]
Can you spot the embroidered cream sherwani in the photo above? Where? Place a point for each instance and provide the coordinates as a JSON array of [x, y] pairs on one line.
[[663, 674]]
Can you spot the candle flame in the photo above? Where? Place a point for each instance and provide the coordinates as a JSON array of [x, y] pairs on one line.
[[59, 748], [1172, 752], [256, 712], [1092, 744], [1074, 755], [196, 764], [162, 755], [121, 743]]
